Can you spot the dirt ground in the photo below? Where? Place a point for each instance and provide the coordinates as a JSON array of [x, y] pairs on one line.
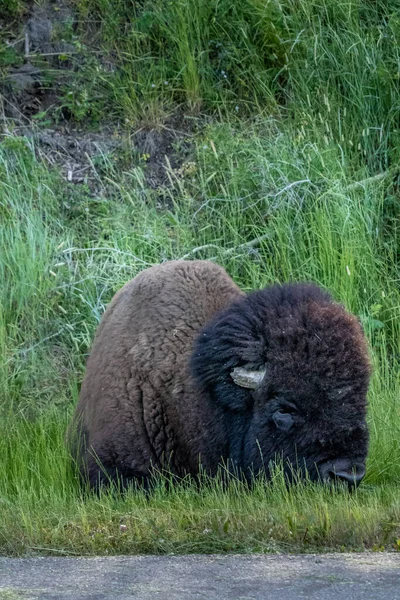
[[44, 64]]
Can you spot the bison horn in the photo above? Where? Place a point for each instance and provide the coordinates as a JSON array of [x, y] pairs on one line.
[[246, 378]]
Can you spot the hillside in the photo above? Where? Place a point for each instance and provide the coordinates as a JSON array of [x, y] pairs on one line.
[[264, 135]]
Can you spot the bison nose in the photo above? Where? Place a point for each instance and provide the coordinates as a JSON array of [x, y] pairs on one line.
[[343, 471]]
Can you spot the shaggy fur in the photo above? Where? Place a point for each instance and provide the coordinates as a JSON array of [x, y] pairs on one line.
[[158, 387]]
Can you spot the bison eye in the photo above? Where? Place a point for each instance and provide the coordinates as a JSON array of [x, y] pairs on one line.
[[283, 419]]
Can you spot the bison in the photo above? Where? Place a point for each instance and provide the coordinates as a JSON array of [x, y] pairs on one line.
[[188, 371]]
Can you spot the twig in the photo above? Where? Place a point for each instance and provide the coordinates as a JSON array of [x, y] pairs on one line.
[[251, 244], [256, 242], [4, 99], [66, 53], [14, 43], [373, 179], [287, 187], [26, 51], [198, 249]]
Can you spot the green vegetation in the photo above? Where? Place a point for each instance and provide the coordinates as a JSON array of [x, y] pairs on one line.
[[287, 171]]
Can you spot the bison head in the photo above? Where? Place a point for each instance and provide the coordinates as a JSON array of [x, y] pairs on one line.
[[289, 370]]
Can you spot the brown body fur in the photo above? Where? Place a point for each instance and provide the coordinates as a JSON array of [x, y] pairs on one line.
[[138, 404]]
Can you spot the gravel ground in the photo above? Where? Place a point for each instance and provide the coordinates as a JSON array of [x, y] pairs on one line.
[[235, 577]]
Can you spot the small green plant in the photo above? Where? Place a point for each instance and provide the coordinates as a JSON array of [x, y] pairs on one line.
[[84, 95], [9, 57], [12, 8]]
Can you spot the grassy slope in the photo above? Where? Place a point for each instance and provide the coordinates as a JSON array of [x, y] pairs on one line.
[[316, 93]]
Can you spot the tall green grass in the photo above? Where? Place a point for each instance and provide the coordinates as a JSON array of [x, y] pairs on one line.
[[326, 66], [293, 178], [58, 273]]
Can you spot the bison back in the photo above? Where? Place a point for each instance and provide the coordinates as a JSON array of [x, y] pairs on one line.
[[139, 407]]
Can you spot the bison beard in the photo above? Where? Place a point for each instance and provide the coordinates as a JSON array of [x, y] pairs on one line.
[[187, 370]]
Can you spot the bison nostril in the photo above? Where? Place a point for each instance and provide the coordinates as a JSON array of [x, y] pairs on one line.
[[351, 478], [343, 471]]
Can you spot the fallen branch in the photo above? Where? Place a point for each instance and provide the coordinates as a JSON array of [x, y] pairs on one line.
[[369, 180], [26, 46], [251, 244], [198, 249], [61, 53]]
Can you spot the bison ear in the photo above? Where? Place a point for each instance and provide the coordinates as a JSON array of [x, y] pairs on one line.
[[247, 378]]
